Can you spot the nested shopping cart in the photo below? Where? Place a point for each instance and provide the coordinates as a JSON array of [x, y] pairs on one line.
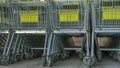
[[29, 27], [105, 22], [5, 20], [68, 18], [4, 15]]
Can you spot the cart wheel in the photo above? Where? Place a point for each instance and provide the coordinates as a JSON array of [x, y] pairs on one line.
[[57, 57], [115, 57], [89, 62], [35, 55], [54, 58], [21, 57], [81, 56], [15, 58], [62, 56], [27, 56], [18, 57], [43, 61], [49, 63], [110, 54], [68, 55], [12, 59], [99, 58], [5, 60], [32, 55], [118, 56]]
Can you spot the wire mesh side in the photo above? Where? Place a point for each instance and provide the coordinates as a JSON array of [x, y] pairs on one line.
[[29, 14], [68, 13], [107, 13], [3, 38], [4, 16]]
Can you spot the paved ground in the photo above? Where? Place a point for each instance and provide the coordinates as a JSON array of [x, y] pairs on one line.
[[69, 63]]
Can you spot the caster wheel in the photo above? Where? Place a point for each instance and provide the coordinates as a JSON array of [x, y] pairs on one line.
[[35, 55], [118, 56], [111, 54], [62, 57], [43, 61], [119, 59], [31, 56], [21, 57], [68, 55], [5, 61], [81, 56], [26, 56], [18, 57], [115, 57], [89, 62], [49, 62], [55, 58], [12, 59], [99, 57]]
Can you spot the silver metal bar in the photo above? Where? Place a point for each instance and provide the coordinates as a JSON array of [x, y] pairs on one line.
[[30, 31], [6, 32], [69, 31], [38, 48], [10, 44], [109, 49], [72, 49]]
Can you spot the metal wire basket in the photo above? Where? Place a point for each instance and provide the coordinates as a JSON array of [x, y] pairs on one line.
[[4, 16], [29, 14], [107, 13], [69, 14]]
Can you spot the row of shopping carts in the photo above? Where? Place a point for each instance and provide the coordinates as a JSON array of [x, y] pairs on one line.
[[33, 28]]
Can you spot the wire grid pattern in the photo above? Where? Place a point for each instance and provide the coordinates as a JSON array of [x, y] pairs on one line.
[[107, 13], [68, 13], [29, 14], [4, 16]]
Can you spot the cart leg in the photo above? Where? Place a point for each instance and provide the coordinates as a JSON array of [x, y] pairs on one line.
[[97, 50], [89, 60], [82, 52], [49, 57], [44, 61]]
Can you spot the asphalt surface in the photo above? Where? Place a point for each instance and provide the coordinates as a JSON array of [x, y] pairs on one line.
[[72, 62]]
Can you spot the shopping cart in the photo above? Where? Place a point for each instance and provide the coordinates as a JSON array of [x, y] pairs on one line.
[[4, 16], [5, 19], [68, 18], [106, 22], [29, 14], [28, 28]]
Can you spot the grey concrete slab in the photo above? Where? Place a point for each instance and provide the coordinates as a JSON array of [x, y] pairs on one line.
[[73, 62]]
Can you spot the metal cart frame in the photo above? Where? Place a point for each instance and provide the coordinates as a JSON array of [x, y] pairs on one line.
[[61, 24], [27, 18], [104, 23]]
